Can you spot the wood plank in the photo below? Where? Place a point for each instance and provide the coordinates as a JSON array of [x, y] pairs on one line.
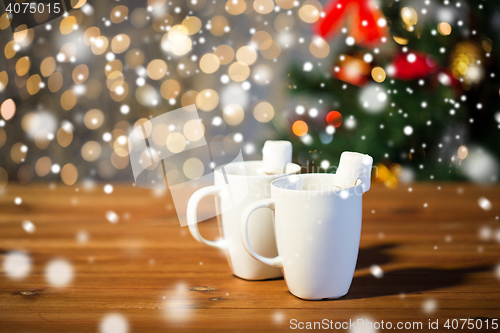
[[150, 270]]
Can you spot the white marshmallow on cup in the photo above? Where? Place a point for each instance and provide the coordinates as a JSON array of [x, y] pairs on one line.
[[354, 166], [276, 155]]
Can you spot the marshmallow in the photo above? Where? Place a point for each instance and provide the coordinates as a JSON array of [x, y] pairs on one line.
[[276, 155], [354, 167]]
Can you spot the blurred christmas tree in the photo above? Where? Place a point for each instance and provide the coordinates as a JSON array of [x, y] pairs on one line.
[[414, 86]]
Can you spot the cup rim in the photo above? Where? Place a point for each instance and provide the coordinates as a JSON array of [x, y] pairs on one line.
[[298, 191], [263, 176]]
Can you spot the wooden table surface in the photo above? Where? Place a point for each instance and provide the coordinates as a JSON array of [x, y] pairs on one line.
[[438, 249]]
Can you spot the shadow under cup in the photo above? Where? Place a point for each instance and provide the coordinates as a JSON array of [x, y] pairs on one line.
[[318, 228]]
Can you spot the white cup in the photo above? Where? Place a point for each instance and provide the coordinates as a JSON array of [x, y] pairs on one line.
[[318, 227], [248, 183]]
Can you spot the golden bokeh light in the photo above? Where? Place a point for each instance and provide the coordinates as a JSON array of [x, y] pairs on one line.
[[33, 84], [263, 6], [4, 80], [170, 89], [176, 142], [113, 69], [68, 99], [400, 40], [286, 4], [462, 152], [118, 14], [219, 25], [193, 168], [209, 63], [55, 82], [192, 24], [93, 119], [189, 98], [160, 133], [67, 25], [80, 74], [193, 130], [178, 34], [319, 48], [42, 166], [23, 65], [207, 100], [10, 49], [225, 54], [91, 151], [18, 152], [64, 136], [119, 162], [69, 174], [409, 16], [309, 13], [262, 74], [8, 109], [263, 112], [48, 66], [177, 40], [90, 35], [233, 114], [121, 145], [260, 38], [4, 21], [235, 7], [444, 28], [157, 69], [246, 54], [238, 71], [100, 45], [134, 58], [77, 3], [120, 43], [20, 33], [41, 139], [155, 4], [119, 91], [146, 95], [378, 74]]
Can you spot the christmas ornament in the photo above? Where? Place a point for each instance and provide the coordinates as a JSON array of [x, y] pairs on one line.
[[411, 66], [352, 70], [367, 22], [334, 118]]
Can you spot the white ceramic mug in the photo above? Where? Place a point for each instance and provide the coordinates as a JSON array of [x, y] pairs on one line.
[[248, 183], [318, 228]]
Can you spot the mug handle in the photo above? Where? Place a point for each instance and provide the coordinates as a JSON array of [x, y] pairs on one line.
[[245, 239], [192, 215]]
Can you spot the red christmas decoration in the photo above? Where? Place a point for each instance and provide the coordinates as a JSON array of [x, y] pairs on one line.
[[368, 23], [334, 118], [411, 66]]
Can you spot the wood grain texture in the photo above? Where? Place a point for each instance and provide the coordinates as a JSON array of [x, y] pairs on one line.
[[150, 270]]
